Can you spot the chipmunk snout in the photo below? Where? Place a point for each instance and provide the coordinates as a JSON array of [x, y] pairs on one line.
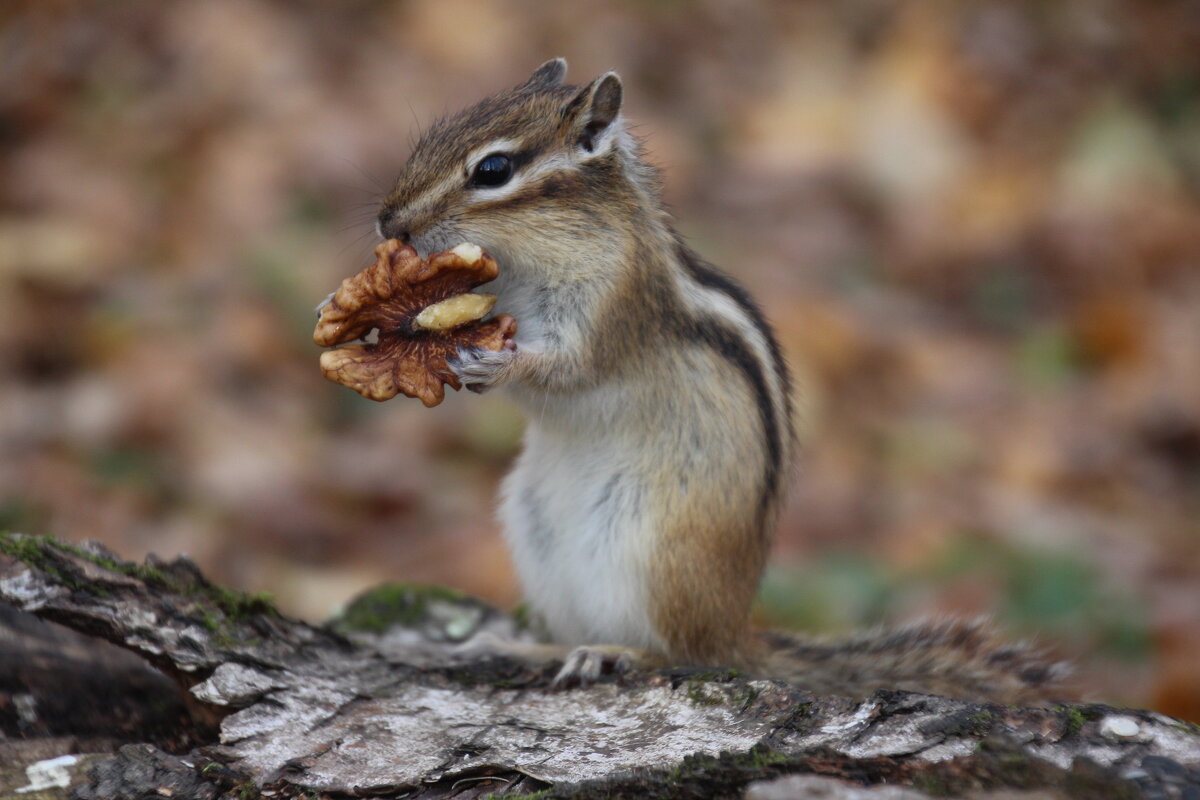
[[390, 226]]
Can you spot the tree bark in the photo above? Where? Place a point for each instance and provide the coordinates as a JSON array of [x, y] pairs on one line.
[[380, 704]]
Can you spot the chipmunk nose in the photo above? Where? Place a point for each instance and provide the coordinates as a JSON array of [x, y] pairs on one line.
[[391, 227]]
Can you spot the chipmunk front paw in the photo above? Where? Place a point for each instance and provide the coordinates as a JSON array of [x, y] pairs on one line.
[[479, 369]]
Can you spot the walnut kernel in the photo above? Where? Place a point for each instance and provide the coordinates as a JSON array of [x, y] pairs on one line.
[[424, 311]]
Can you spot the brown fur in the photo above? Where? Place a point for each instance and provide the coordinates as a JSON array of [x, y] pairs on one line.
[[698, 369], [955, 658]]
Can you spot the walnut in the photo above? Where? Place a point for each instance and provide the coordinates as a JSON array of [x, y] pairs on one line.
[[424, 311]]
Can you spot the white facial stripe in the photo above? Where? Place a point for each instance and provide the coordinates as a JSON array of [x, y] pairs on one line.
[[556, 162], [530, 173]]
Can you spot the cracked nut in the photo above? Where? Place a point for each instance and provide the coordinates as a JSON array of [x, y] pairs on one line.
[[424, 311], [455, 311]]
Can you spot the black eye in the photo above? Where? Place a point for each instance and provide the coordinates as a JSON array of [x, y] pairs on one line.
[[495, 170]]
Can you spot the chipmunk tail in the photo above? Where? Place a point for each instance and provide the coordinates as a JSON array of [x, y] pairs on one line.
[[964, 659]]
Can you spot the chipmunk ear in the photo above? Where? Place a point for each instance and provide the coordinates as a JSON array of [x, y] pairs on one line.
[[593, 111], [548, 75]]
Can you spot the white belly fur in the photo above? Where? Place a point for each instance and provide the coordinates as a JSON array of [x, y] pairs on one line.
[[571, 517]]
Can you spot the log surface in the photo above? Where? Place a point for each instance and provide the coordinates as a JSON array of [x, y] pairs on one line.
[[384, 706]]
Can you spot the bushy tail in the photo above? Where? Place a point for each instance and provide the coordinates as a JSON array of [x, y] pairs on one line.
[[953, 658]]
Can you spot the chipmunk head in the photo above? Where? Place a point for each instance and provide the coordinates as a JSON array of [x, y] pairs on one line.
[[519, 172]]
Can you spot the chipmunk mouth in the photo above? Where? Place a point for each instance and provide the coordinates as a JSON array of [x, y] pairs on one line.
[[437, 238]]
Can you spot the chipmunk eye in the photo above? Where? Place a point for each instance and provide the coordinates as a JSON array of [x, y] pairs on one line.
[[495, 170]]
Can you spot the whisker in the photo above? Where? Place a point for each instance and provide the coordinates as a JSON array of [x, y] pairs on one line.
[[416, 120], [357, 242], [377, 185]]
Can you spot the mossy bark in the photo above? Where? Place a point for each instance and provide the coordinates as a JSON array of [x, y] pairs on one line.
[[386, 708]]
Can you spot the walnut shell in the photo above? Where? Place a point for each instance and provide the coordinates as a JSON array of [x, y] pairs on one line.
[[389, 295]]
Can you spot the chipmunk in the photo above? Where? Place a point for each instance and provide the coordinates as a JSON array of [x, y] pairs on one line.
[[660, 426]]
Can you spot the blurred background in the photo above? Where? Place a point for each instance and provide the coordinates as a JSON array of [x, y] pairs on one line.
[[976, 226]]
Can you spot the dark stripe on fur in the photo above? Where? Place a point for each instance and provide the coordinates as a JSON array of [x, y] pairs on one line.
[[710, 277], [556, 185], [523, 157], [729, 344], [714, 333]]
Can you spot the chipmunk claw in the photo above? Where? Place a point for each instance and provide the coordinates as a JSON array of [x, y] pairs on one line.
[[584, 665], [478, 368], [321, 305]]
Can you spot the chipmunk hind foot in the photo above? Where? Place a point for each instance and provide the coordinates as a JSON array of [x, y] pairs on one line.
[[585, 664], [581, 665]]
